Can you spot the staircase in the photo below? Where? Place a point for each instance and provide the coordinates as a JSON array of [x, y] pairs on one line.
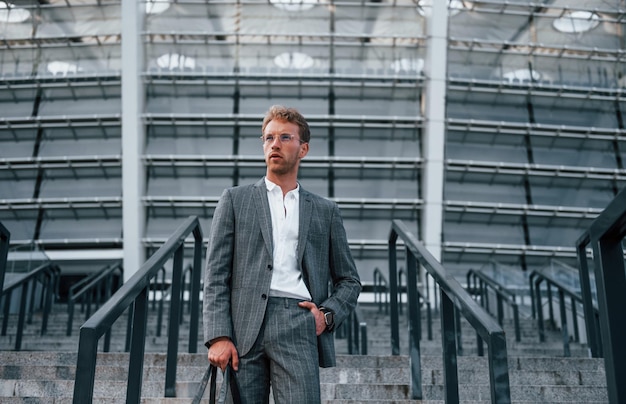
[[538, 372]]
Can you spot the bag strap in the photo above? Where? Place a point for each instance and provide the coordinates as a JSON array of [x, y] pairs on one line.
[[231, 378], [230, 381], [210, 373]]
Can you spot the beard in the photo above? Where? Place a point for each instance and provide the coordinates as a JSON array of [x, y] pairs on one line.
[[283, 165]]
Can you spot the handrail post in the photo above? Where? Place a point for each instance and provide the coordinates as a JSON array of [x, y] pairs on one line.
[[540, 325], [5, 238], [376, 292], [499, 369], [31, 306], [611, 280], [458, 332], [196, 276], [414, 326], [591, 326], [160, 310], [6, 308], [49, 293], [550, 305], [518, 332], [70, 316], [393, 295], [400, 289], [533, 296], [500, 308], [85, 366], [349, 333], [363, 330], [138, 342], [448, 339], [575, 319], [355, 324], [21, 317], [429, 319], [172, 334], [563, 314]]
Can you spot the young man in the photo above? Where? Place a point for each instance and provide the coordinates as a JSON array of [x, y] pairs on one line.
[[274, 249]]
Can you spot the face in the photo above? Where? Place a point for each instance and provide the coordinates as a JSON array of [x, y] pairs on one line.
[[283, 158]]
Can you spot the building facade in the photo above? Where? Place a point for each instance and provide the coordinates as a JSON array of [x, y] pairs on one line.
[[493, 128]]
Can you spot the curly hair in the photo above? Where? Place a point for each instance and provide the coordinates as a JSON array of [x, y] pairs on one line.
[[290, 115]]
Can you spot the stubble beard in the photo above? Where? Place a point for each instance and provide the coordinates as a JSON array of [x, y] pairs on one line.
[[283, 168]]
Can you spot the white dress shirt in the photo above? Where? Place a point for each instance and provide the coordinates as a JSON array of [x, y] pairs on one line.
[[286, 277]]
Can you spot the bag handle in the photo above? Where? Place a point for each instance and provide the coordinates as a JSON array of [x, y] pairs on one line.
[[230, 381]]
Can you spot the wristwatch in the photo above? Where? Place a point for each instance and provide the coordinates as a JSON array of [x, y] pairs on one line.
[[329, 318]]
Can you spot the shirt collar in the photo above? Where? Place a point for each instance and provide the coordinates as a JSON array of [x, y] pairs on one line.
[[271, 187]]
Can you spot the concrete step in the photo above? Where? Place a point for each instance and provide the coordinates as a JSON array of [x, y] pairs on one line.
[[355, 379], [538, 372]]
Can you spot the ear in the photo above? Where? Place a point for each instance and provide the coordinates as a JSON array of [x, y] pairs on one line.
[[304, 150]]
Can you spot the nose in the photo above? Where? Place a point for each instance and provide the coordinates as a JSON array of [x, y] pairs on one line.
[[275, 142]]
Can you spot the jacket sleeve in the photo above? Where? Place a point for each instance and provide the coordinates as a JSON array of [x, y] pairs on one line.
[[346, 285], [217, 276]]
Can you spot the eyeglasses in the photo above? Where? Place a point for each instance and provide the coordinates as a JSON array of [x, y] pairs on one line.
[[286, 138]]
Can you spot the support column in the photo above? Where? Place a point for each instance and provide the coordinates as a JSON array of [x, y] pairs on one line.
[[133, 136], [434, 112]]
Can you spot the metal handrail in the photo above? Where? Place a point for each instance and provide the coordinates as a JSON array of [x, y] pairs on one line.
[[481, 283], [5, 237], [402, 288], [186, 289], [607, 234], [356, 330], [36, 256], [85, 291], [160, 299], [49, 275], [381, 291], [592, 320], [134, 294], [535, 279], [453, 298]]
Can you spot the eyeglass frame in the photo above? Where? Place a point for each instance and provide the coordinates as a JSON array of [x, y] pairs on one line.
[[265, 140]]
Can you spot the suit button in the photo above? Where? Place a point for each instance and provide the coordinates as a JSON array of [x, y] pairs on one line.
[[269, 267], [264, 296]]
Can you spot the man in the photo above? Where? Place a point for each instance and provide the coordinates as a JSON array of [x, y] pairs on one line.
[[274, 248]]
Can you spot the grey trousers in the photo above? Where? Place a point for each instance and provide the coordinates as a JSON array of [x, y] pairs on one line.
[[284, 357]]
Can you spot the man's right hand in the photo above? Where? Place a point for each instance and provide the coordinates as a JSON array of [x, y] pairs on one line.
[[221, 352]]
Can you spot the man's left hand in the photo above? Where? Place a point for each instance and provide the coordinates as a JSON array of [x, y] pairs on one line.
[[320, 324]]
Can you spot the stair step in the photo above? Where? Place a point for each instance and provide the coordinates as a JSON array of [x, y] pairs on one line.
[[537, 372]]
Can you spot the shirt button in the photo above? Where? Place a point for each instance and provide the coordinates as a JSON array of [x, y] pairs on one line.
[[264, 296]]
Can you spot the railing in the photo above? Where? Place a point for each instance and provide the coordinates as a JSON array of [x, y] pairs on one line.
[[606, 235], [158, 297], [536, 278], [356, 333], [25, 257], [96, 289], [592, 319], [453, 297], [381, 291], [47, 276], [134, 294], [5, 237], [423, 301], [481, 283]]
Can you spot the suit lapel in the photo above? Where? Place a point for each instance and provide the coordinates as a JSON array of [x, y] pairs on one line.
[[264, 215], [306, 210]]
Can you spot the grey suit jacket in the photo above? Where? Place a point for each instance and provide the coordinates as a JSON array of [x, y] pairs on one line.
[[239, 265]]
